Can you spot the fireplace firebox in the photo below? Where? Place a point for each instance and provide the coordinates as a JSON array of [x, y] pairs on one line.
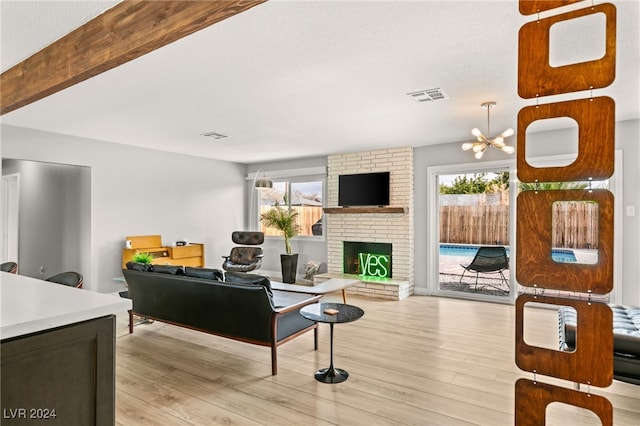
[[367, 259]]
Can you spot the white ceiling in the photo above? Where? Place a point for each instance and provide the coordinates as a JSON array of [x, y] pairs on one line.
[[298, 79]]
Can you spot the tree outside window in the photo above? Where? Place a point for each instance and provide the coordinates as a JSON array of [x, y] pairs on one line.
[[303, 196]]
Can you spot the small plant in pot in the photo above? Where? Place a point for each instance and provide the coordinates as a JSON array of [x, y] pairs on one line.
[[140, 261], [143, 258], [286, 221]]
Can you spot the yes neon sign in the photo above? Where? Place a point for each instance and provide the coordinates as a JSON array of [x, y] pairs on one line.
[[374, 265]]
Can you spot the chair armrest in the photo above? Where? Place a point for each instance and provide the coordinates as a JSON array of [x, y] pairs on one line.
[[296, 306]]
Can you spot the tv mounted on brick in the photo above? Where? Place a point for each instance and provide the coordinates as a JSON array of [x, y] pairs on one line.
[[363, 189]]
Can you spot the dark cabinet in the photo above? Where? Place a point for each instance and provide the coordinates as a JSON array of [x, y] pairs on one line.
[[63, 376]]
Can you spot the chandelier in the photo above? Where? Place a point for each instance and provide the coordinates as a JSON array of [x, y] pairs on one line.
[[483, 142]]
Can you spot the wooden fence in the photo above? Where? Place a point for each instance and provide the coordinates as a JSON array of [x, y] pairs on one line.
[[575, 224], [482, 224], [307, 216]]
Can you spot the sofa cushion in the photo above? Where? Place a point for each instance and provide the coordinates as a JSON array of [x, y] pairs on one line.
[[137, 266], [249, 279], [167, 269], [626, 330], [245, 255], [210, 274]]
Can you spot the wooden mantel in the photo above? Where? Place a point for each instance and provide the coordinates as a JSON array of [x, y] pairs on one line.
[[352, 210]]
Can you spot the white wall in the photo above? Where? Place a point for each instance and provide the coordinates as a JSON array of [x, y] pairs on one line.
[[539, 144], [55, 199], [136, 191]]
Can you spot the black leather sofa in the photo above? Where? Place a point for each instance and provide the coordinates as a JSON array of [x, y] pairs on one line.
[[243, 307], [626, 339]]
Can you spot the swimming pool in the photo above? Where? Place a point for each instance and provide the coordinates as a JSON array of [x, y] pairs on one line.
[[558, 255]]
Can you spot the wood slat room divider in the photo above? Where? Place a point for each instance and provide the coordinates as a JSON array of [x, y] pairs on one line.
[[592, 361]]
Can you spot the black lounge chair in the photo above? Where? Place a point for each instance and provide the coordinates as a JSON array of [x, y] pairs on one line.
[[489, 260], [244, 258]]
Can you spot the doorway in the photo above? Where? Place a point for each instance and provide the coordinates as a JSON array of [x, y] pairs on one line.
[[50, 231], [443, 174], [11, 215], [474, 234]]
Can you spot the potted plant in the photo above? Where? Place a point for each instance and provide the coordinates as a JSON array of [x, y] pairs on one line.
[[286, 221], [142, 258]]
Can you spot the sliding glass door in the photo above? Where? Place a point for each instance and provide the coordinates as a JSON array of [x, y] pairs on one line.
[[473, 205], [474, 234]]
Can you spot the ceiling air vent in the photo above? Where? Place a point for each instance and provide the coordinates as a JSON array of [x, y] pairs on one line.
[[214, 135], [429, 95]]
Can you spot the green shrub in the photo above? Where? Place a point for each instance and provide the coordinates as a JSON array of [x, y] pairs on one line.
[[143, 258], [285, 220]]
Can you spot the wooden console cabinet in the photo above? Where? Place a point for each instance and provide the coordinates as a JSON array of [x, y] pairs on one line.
[[190, 255]]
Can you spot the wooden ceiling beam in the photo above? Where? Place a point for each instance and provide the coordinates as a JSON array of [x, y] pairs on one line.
[[127, 31]]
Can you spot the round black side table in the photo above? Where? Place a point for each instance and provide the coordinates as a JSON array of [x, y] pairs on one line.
[[322, 312]]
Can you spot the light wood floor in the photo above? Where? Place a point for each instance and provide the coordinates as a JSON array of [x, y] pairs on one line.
[[420, 361]]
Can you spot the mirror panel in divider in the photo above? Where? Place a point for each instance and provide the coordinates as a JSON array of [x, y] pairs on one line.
[[533, 398], [593, 347], [596, 122], [534, 241], [536, 76]]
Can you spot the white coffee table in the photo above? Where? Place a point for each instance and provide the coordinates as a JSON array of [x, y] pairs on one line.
[[326, 287]]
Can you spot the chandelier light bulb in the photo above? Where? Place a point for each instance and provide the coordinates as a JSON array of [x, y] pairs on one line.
[[509, 149], [467, 146], [499, 142], [476, 132], [478, 147], [478, 155], [507, 133]]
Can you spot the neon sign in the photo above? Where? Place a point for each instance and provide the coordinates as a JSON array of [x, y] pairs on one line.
[[374, 265]]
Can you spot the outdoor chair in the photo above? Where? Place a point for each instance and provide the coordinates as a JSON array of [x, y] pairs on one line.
[[489, 260]]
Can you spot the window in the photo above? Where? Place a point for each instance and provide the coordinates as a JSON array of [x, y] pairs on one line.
[[304, 195]]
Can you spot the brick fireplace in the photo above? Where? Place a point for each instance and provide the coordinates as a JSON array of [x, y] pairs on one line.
[[393, 228]]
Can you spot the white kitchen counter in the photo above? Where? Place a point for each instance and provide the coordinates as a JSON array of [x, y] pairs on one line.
[[29, 305]]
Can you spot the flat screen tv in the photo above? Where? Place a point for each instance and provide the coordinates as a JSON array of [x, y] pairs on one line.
[[363, 189]]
